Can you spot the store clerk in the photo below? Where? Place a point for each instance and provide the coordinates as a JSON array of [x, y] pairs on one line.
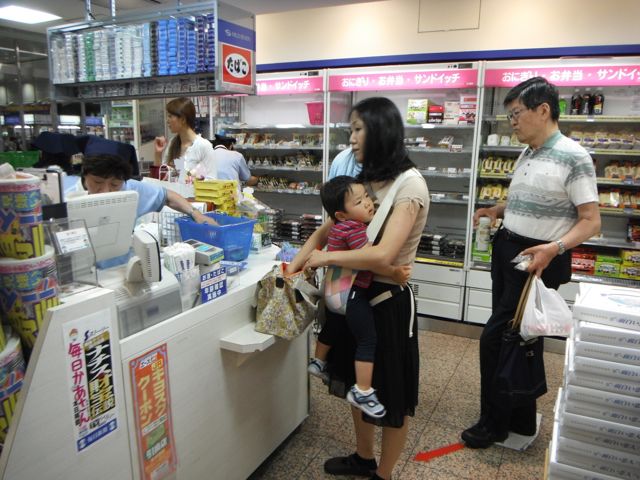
[[110, 173]]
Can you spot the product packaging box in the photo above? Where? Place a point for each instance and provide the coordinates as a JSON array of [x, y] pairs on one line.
[[613, 407], [451, 113], [417, 110], [468, 109], [606, 269], [606, 334], [608, 305], [601, 375], [622, 438], [630, 257], [631, 272], [629, 356]]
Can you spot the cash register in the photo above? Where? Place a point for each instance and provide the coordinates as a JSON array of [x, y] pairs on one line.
[[146, 293]]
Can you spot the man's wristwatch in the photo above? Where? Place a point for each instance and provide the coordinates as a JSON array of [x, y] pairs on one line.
[[561, 247]]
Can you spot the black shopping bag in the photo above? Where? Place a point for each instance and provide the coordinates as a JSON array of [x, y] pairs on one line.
[[520, 376]]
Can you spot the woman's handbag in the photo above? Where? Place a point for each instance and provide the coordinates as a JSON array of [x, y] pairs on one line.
[[339, 280], [520, 375], [286, 305], [545, 313]]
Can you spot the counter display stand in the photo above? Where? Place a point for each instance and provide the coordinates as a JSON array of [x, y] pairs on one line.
[[438, 103], [281, 134], [608, 136], [234, 396]]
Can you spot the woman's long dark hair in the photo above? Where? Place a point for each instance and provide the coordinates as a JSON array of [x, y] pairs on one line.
[[184, 108], [385, 155]]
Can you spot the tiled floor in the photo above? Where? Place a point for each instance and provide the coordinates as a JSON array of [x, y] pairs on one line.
[[449, 402]]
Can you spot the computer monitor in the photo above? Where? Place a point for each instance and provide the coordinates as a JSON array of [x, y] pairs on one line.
[[109, 217]]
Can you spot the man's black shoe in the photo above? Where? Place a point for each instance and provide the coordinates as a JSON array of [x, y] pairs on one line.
[[352, 465], [482, 437], [478, 426]]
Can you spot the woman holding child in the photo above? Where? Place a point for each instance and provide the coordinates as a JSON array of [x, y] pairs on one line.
[[377, 141]]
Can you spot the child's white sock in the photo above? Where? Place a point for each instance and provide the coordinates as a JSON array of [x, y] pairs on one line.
[[322, 363], [364, 392]]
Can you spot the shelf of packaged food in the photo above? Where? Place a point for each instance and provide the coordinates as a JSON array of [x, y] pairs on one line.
[[612, 243], [121, 124], [580, 118], [278, 147], [613, 151], [437, 198], [618, 182], [289, 191], [480, 201], [505, 149], [439, 151], [484, 266], [439, 126], [283, 126], [496, 176], [285, 168], [438, 260], [620, 212], [619, 282], [444, 174]]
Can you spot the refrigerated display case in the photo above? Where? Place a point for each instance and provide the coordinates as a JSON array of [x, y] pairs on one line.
[[281, 134], [608, 127], [439, 103]]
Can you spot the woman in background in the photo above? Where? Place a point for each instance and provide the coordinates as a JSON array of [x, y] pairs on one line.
[[187, 151]]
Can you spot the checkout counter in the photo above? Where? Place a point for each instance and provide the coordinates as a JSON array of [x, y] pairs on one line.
[[232, 395]]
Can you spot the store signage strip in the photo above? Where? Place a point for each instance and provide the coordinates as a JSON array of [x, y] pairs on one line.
[[413, 80], [592, 76], [284, 86]]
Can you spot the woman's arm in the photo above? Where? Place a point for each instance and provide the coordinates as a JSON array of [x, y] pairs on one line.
[[159, 144], [378, 257], [318, 239], [181, 204]]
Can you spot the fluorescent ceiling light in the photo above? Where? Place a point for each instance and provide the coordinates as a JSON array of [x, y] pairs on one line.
[[25, 15]]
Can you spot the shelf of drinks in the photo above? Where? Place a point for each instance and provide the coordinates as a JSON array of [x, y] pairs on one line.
[[444, 174], [591, 151], [284, 168], [496, 176], [580, 118], [438, 151], [439, 126], [439, 260], [155, 78], [122, 124], [277, 147]]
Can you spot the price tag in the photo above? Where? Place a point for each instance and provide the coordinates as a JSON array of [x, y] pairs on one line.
[[73, 240]]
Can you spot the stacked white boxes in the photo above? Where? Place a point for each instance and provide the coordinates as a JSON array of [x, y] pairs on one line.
[[596, 433]]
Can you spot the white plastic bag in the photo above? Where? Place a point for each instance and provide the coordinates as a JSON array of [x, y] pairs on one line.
[[545, 313]]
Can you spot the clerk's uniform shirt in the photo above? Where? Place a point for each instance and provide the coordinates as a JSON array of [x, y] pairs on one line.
[[548, 184], [230, 164], [197, 159], [345, 163]]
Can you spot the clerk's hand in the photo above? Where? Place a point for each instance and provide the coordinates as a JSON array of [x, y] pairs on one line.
[[199, 217], [542, 256], [317, 258], [159, 143]]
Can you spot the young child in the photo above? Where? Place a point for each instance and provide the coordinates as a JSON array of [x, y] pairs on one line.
[[348, 204]]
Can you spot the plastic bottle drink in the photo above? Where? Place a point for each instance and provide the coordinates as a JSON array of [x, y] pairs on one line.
[[598, 103], [587, 103], [576, 102], [562, 105], [482, 234]]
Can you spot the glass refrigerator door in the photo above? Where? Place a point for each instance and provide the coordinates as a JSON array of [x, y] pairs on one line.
[[438, 103], [281, 135], [600, 109]]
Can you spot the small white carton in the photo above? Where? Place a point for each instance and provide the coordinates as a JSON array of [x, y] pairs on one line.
[[609, 305], [592, 373], [614, 402], [629, 356], [623, 438]]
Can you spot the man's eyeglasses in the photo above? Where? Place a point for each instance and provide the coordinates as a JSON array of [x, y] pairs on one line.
[[514, 114]]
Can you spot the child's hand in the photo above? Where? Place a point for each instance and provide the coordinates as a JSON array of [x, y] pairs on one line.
[[402, 274]]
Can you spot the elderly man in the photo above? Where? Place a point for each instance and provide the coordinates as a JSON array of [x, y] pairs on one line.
[[552, 206]]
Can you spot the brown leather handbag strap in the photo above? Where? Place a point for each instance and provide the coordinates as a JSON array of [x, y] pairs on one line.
[[517, 320]]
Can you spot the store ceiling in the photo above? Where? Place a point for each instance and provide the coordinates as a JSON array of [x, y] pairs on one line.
[[74, 10]]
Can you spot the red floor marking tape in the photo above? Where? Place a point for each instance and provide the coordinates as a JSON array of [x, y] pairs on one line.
[[438, 452]]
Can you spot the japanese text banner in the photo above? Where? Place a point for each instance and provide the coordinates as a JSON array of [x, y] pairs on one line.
[[596, 76], [415, 80], [283, 86]]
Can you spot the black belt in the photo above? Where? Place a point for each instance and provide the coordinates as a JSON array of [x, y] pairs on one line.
[[520, 239]]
